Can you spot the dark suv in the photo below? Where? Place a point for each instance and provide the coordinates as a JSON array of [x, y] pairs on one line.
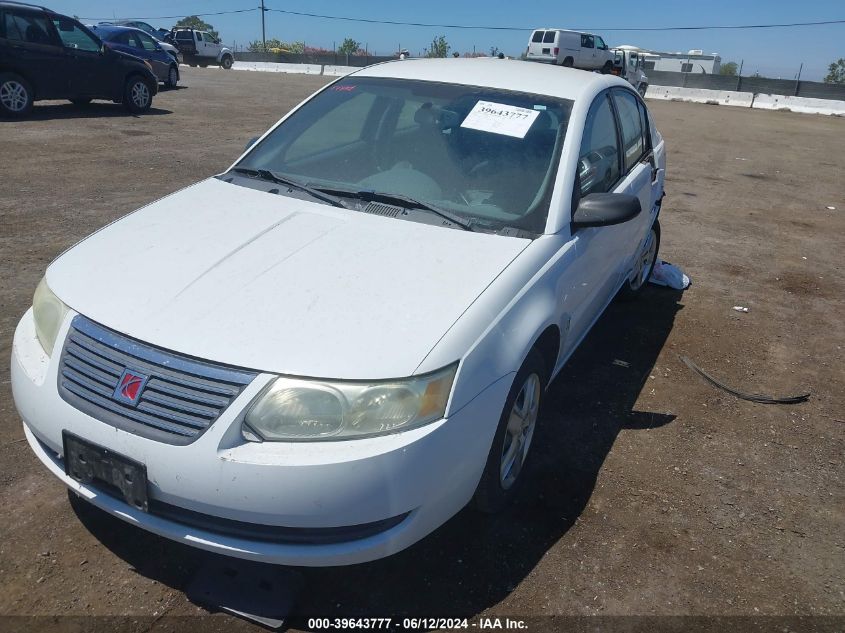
[[44, 55]]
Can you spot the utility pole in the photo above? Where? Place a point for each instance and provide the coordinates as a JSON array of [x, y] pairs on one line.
[[798, 78], [263, 32]]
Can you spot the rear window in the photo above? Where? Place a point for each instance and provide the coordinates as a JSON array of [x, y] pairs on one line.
[[537, 37], [184, 35], [26, 27], [549, 37]]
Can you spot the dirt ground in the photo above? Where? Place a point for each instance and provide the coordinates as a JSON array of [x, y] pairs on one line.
[[650, 493]]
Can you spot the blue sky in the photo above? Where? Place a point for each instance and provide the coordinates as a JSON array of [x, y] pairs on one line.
[[772, 52]]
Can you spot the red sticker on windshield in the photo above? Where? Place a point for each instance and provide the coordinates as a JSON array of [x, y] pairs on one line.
[[343, 88]]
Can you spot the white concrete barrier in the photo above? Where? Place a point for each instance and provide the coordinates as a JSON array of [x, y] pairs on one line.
[[339, 71], [700, 95], [273, 67], [804, 105]]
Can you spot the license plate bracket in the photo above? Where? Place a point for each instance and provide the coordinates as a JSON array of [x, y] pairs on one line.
[[116, 474]]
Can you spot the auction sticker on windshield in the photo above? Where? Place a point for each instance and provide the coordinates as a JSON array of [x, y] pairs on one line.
[[500, 118]]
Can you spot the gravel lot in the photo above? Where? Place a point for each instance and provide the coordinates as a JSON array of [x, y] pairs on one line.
[[651, 492]]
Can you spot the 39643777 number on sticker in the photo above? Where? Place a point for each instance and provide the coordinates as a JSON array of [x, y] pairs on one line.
[[500, 118]]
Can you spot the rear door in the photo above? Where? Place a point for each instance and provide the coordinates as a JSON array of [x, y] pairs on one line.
[[535, 43], [33, 51], [638, 168]]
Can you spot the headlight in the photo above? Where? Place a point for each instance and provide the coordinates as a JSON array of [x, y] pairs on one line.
[[293, 409], [49, 312]]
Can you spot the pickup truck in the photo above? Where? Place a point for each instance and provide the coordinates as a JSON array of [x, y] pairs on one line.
[[630, 64], [201, 48]]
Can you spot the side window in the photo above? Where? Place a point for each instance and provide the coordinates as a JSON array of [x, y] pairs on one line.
[[73, 36], [130, 39], [27, 27], [587, 41], [686, 67], [598, 163], [537, 37], [549, 37], [600, 43], [147, 42], [333, 129], [630, 121], [199, 36]]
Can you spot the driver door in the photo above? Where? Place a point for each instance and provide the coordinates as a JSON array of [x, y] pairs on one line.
[[88, 71]]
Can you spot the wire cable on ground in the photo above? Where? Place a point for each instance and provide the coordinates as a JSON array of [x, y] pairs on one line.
[[753, 397]]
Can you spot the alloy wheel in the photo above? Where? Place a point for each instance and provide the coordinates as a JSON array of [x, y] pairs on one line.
[[520, 430], [13, 96], [140, 94]]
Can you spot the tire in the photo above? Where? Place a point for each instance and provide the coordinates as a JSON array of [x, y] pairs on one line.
[[608, 66], [644, 265], [568, 62], [137, 95], [16, 95], [81, 101], [226, 62], [642, 90], [501, 479], [172, 77]]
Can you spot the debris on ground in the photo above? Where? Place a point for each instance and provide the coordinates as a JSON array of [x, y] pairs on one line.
[[752, 397], [666, 274], [741, 309]]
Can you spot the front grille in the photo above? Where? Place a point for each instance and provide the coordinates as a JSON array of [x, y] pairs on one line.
[[180, 400]]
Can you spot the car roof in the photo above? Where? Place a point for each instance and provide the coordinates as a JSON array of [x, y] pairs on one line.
[[503, 74], [112, 28], [23, 5]]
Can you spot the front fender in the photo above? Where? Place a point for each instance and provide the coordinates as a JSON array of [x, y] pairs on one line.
[[493, 337]]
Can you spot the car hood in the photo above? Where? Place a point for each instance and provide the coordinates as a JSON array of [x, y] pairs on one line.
[[273, 283]]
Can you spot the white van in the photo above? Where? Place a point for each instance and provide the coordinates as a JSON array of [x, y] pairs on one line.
[[569, 48]]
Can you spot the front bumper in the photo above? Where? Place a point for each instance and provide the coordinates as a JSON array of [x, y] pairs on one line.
[[408, 483]]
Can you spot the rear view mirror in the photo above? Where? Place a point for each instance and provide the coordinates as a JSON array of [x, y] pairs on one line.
[[605, 209]]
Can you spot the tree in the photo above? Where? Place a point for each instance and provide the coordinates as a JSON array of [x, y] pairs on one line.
[[349, 47], [194, 22], [439, 47], [494, 51], [728, 69], [836, 72]]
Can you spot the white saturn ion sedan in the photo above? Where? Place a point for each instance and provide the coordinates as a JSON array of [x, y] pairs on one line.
[[324, 353]]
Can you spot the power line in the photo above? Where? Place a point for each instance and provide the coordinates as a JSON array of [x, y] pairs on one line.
[[174, 17], [481, 27], [518, 28]]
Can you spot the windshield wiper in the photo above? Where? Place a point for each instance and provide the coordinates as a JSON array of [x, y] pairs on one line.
[[267, 174], [398, 198]]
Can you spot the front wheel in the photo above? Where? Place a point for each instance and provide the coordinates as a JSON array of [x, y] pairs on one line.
[[643, 265], [608, 66], [172, 77], [137, 96], [226, 62], [15, 95], [643, 88], [509, 451], [568, 62]]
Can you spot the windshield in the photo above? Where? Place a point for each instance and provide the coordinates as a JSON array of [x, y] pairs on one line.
[[488, 156]]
